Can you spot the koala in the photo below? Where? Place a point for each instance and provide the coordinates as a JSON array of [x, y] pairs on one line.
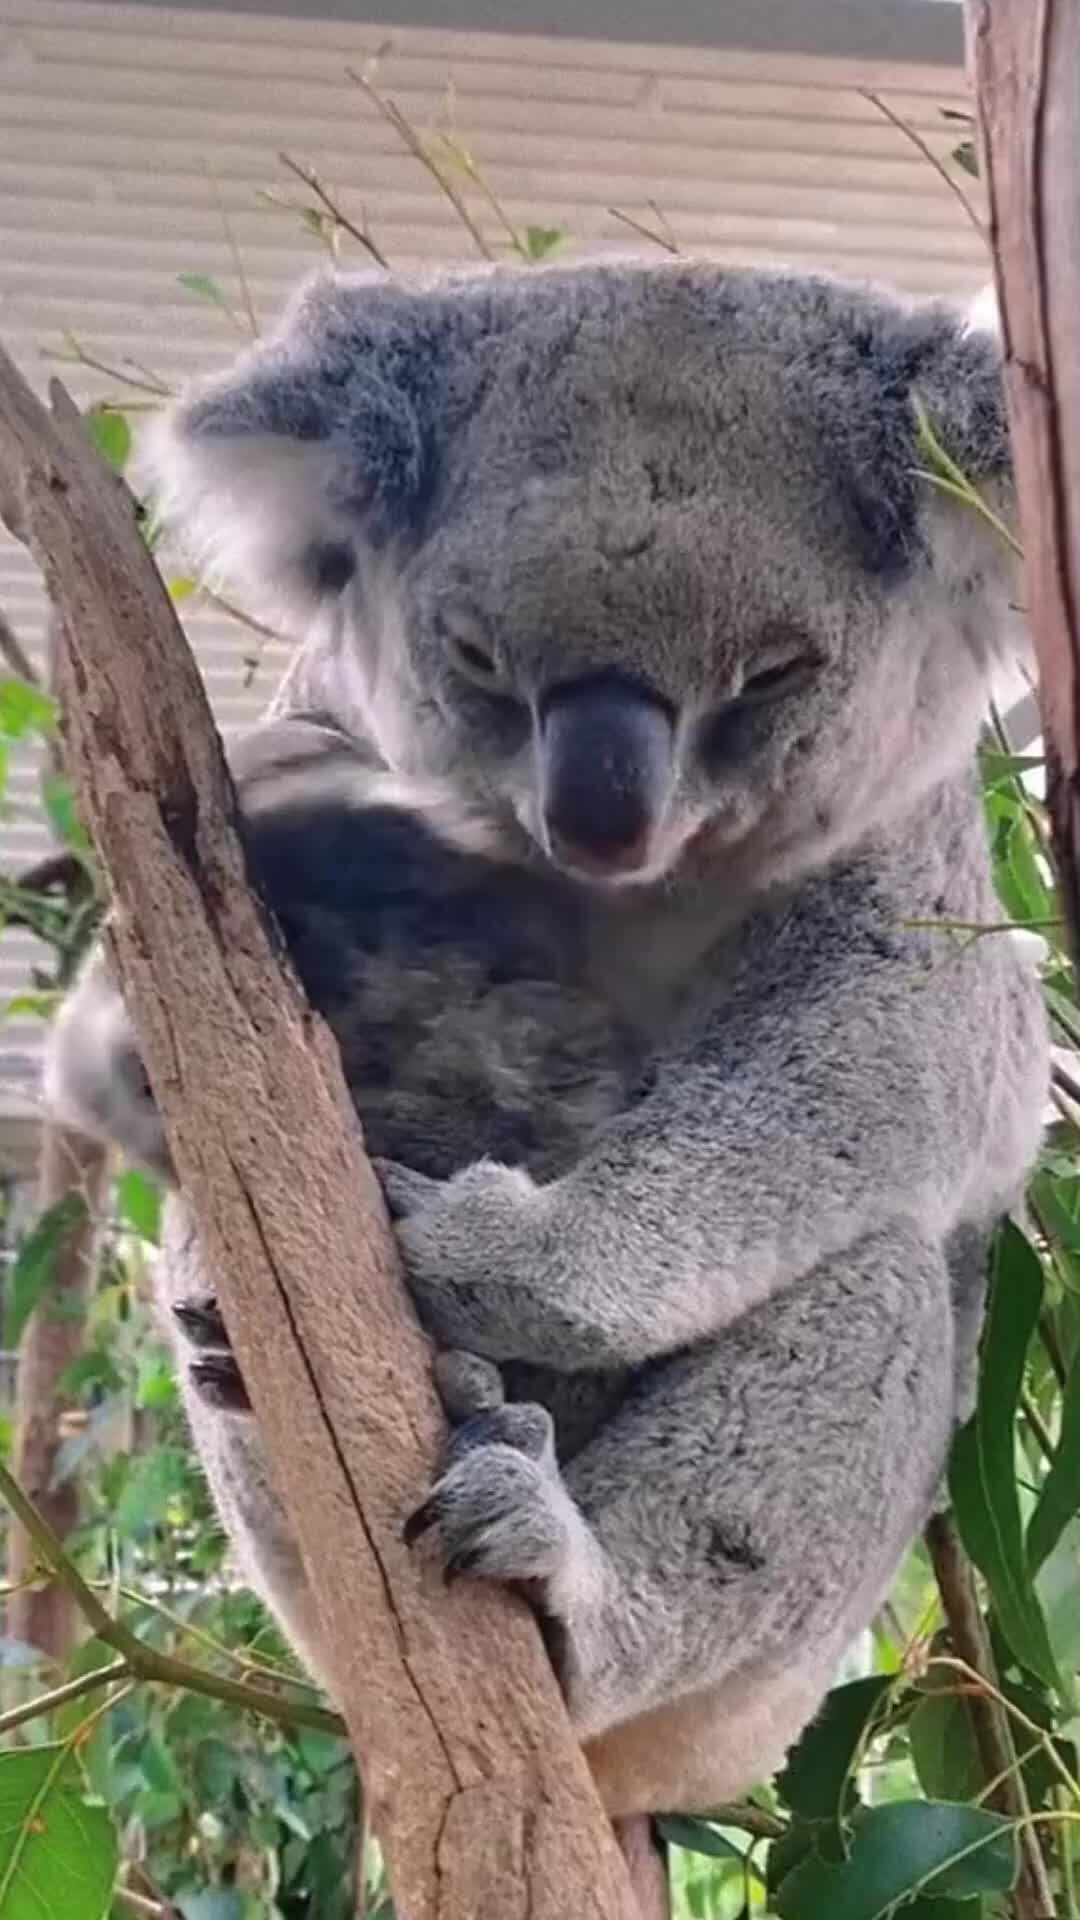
[[624, 766]]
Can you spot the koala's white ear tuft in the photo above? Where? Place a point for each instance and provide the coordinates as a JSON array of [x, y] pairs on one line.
[[283, 474], [983, 314]]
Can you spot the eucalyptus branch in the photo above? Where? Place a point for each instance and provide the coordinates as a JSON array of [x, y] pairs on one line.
[[143, 1662], [326, 200], [392, 113], [749, 1819], [237, 258], [143, 381], [987, 1708], [923, 146], [659, 236]]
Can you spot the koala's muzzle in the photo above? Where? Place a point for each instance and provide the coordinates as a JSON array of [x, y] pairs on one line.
[[605, 760]]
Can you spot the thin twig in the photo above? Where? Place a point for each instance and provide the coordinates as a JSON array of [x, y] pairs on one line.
[[392, 113], [143, 1662], [927, 151], [989, 1722], [658, 238], [749, 1819], [236, 255], [59, 1696], [312, 181], [1038, 1425], [144, 381]]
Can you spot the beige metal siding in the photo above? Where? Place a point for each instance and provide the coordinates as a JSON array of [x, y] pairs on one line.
[[121, 124]]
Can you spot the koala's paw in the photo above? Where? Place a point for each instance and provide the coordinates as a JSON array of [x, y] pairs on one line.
[[471, 1247], [213, 1373], [500, 1508], [466, 1384]]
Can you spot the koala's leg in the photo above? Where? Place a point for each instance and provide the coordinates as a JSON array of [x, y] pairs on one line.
[[227, 1439], [705, 1560]]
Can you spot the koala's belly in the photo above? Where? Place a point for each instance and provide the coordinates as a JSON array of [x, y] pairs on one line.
[[708, 1748]]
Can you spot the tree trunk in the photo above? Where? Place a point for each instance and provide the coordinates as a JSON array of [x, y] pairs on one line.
[[478, 1790], [1024, 58]]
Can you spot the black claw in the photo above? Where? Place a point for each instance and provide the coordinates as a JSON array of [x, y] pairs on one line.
[[202, 1322], [216, 1379], [420, 1521]]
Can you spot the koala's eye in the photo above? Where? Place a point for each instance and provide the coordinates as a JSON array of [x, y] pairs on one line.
[[788, 676], [468, 651]]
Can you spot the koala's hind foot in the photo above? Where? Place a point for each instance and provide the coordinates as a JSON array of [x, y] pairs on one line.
[[213, 1372], [500, 1507]]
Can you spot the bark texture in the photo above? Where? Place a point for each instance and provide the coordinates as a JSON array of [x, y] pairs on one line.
[[477, 1787], [1025, 60]]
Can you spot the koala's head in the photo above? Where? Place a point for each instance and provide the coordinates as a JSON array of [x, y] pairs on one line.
[[638, 554]]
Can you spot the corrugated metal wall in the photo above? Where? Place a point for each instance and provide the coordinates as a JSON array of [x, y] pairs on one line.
[[125, 129]]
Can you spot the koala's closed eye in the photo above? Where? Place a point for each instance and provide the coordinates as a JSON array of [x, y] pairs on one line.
[[732, 729]]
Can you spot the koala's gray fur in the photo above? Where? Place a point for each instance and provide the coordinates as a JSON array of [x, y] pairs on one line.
[[732, 1282]]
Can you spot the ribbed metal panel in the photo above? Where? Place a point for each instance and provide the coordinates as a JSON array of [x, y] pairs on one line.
[[124, 128]]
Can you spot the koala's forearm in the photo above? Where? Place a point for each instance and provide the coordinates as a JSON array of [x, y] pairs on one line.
[[688, 1213]]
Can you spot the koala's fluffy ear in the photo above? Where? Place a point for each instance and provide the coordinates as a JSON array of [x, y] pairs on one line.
[[936, 359], [307, 455]]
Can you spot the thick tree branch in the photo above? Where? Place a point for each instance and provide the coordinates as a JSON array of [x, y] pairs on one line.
[[1025, 57], [478, 1790]]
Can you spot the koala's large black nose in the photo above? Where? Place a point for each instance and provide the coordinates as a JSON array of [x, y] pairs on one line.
[[605, 768]]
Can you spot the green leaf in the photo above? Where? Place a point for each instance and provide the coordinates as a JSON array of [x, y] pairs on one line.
[[24, 708], [58, 1854], [40, 1006], [59, 802], [815, 1780], [1058, 1588], [151, 1481], [540, 242], [697, 1836], [982, 1478], [1003, 766], [943, 1749], [1059, 1499], [35, 1262], [966, 157], [204, 287], [181, 587], [111, 434], [910, 1847], [138, 1201]]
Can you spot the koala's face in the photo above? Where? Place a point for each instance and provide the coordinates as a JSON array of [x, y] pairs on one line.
[[638, 554]]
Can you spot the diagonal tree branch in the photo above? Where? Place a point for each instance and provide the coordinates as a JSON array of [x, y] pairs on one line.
[[478, 1790]]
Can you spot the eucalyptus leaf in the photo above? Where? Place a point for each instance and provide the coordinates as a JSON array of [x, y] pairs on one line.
[[697, 1836], [1059, 1498], [982, 1471], [911, 1847], [36, 1262], [110, 432], [815, 1781]]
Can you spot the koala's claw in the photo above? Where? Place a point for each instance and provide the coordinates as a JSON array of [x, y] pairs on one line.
[[213, 1373], [200, 1320], [218, 1383], [499, 1506], [403, 1189]]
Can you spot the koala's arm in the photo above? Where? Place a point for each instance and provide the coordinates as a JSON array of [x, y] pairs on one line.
[[93, 1078], [815, 1107]]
